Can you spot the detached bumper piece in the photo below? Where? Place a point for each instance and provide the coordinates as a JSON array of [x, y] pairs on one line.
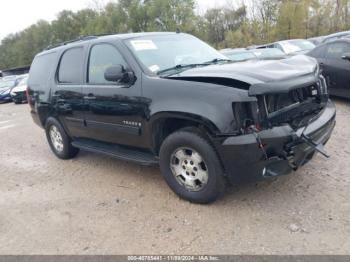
[[284, 149]]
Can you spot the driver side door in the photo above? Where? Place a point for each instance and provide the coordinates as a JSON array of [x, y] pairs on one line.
[[114, 111]]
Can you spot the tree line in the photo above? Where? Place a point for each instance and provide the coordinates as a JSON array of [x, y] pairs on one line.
[[236, 25]]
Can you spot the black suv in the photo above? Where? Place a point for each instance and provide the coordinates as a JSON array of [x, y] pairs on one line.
[[170, 99]]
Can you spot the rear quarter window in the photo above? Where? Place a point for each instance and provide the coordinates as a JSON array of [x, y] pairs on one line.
[[41, 69]]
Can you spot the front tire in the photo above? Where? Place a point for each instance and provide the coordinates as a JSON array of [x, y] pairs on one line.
[[59, 141], [191, 167]]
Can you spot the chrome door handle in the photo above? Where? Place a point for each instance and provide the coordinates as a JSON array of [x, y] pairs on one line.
[[90, 97]]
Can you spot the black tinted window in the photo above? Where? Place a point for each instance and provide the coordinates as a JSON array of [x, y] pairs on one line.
[[102, 57], [71, 66], [41, 69], [337, 50], [318, 52]]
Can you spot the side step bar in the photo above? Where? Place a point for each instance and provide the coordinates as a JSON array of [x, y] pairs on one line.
[[116, 151]]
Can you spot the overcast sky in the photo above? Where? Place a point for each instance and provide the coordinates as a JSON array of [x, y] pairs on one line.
[[17, 15]]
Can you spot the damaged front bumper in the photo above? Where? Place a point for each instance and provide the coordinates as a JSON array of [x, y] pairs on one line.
[[280, 151]]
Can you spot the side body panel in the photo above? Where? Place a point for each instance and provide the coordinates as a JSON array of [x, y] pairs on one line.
[[67, 99], [208, 105], [115, 112], [40, 82]]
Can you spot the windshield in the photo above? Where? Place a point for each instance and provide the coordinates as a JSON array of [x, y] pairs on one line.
[[243, 56], [6, 83], [294, 46], [162, 52], [23, 82]]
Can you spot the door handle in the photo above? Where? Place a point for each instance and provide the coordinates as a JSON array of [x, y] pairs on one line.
[[90, 97]]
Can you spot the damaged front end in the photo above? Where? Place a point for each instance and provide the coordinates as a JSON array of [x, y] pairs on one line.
[[287, 119], [281, 131]]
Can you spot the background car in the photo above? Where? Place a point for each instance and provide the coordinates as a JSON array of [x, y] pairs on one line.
[[239, 54], [268, 53], [6, 85], [242, 54], [18, 93], [294, 46], [334, 60], [316, 40], [335, 36]]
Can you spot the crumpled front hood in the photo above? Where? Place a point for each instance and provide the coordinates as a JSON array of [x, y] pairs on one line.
[[256, 72]]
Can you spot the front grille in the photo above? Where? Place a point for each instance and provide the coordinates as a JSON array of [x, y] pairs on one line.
[[277, 102], [296, 107]]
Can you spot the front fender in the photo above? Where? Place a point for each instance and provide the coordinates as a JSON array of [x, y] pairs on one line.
[[195, 118], [205, 102]]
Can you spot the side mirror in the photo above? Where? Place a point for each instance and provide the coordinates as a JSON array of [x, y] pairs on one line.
[[346, 56], [119, 74]]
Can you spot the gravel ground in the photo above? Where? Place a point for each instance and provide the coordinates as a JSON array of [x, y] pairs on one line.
[[99, 205]]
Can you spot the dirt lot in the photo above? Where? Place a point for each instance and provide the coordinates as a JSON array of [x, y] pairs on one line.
[[98, 205]]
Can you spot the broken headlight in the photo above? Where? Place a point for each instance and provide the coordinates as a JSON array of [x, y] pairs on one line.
[[246, 115]]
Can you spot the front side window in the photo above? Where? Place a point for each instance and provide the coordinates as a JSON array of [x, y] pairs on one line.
[[71, 66], [337, 50], [103, 56]]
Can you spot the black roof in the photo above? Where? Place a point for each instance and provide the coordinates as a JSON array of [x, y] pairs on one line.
[[339, 34], [344, 39], [15, 71], [108, 36]]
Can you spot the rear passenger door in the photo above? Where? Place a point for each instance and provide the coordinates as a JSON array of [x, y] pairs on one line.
[[67, 97], [114, 111]]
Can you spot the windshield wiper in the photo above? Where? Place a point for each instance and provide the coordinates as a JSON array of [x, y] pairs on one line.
[[179, 67], [185, 66], [217, 60]]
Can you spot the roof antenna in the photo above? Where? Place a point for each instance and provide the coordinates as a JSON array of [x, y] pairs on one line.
[[178, 31]]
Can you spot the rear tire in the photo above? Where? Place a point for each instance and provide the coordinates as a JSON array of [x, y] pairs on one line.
[[191, 167], [59, 141]]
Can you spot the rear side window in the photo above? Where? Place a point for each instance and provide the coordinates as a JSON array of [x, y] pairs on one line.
[[41, 69], [103, 56], [337, 50], [71, 66]]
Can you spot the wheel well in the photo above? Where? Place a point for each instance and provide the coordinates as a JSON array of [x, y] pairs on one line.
[[164, 127]]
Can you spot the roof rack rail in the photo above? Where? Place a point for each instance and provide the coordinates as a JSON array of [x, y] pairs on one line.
[[81, 38]]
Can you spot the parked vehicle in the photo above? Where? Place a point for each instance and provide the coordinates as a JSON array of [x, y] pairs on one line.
[[316, 40], [294, 46], [239, 54], [6, 85], [18, 93], [334, 59], [203, 119], [268, 53], [242, 54], [335, 36]]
